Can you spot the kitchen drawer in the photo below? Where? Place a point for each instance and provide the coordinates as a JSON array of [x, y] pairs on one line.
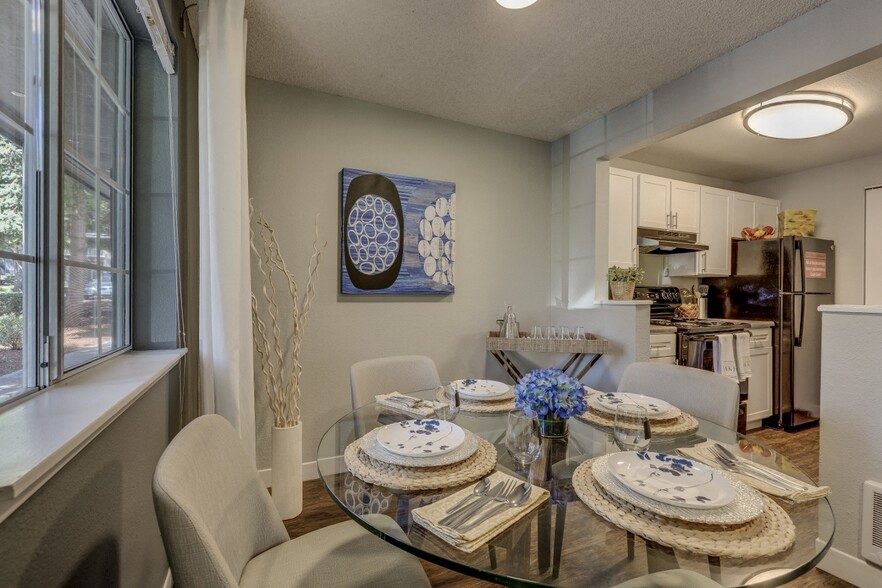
[[760, 338], [662, 345]]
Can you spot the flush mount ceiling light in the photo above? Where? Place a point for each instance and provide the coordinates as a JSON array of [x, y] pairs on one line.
[[799, 115], [515, 4]]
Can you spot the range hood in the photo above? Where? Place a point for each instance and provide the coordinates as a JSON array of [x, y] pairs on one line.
[[665, 242]]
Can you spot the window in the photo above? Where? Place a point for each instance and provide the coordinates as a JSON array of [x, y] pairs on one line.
[[64, 291]]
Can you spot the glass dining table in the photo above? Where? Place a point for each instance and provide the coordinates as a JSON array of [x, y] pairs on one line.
[[563, 542]]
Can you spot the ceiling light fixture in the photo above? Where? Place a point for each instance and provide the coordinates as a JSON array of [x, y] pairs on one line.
[[515, 4], [799, 115]]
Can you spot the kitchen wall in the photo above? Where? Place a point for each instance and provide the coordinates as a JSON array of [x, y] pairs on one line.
[[837, 192], [299, 141]]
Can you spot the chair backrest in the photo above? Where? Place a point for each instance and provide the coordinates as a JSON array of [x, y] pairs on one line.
[[701, 393], [214, 513], [401, 373]]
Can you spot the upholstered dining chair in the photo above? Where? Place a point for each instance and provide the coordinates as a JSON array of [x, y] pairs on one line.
[[701, 393], [400, 373], [220, 527]]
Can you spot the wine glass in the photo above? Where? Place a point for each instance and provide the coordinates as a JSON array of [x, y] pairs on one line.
[[537, 332], [522, 438], [446, 403], [631, 431], [564, 332]]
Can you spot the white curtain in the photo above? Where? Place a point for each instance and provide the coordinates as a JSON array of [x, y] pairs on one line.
[[225, 347]]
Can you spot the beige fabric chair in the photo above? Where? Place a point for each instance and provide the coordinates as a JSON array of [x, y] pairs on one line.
[[221, 529], [701, 393], [401, 373]]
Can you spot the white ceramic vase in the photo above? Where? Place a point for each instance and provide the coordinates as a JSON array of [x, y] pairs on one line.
[[287, 464]]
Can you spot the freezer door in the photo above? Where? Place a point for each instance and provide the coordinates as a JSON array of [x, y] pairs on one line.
[[810, 265]]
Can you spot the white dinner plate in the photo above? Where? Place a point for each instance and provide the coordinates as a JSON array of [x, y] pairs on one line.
[[421, 437], [671, 479], [481, 389], [375, 450], [655, 409]]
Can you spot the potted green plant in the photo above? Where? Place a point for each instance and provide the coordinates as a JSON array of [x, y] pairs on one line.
[[622, 281]]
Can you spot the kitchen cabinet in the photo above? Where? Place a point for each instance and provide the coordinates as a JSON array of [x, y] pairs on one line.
[[759, 385], [667, 204], [663, 348], [753, 211], [622, 218], [713, 231]]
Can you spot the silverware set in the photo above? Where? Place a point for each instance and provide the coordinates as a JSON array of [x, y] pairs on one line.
[[409, 401], [491, 501], [732, 463]]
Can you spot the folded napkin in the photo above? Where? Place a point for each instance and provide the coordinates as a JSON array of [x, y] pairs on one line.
[[427, 516], [724, 356], [742, 355], [702, 453], [425, 408]]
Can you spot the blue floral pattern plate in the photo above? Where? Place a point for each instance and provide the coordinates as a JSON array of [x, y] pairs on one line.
[[421, 437], [655, 409], [671, 479], [482, 389]]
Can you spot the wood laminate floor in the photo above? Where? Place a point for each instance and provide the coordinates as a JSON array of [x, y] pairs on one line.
[[319, 510]]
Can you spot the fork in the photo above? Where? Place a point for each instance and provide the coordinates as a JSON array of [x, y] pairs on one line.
[[734, 466], [501, 495], [722, 450], [405, 400]]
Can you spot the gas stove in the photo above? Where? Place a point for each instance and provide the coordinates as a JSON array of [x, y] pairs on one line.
[[685, 325]]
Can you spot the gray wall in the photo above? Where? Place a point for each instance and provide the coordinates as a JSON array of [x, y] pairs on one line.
[[300, 140], [93, 523], [837, 193]]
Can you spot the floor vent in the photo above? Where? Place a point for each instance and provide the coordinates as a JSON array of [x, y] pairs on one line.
[[871, 517]]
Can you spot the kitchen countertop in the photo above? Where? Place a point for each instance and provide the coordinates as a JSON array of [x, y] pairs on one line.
[[659, 329], [655, 329]]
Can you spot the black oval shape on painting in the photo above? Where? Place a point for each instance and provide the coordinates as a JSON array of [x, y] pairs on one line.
[[383, 187]]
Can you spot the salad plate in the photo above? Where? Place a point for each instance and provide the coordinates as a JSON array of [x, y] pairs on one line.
[[655, 409], [482, 389], [421, 437], [376, 450], [671, 480]]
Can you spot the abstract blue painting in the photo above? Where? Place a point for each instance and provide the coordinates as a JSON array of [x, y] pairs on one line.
[[399, 234]]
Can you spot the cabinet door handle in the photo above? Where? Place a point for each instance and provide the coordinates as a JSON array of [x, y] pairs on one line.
[[668, 220], [634, 255], [704, 261], [676, 220]]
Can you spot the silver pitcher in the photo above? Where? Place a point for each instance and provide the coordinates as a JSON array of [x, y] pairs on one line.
[[508, 325]]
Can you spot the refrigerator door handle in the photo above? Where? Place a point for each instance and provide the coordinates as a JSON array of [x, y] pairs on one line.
[[797, 339], [799, 250]]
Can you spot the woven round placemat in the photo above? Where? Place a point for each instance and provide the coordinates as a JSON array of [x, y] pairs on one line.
[[685, 423], [398, 477], [487, 407], [768, 534]]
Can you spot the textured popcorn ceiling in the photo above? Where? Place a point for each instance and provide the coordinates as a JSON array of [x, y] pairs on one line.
[[540, 72]]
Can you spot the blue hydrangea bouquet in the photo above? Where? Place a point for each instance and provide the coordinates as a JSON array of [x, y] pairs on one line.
[[550, 395]]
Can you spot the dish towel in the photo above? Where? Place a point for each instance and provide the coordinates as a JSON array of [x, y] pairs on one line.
[[742, 356], [724, 357], [428, 516], [809, 492], [425, 408]]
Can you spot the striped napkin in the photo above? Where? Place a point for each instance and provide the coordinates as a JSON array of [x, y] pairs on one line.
[[809, 491], [429, 515]]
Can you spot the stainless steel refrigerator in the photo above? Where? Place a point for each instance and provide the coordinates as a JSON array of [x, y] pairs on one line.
[[784, 280]]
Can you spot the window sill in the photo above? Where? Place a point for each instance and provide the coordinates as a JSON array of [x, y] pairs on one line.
[[40, 435]]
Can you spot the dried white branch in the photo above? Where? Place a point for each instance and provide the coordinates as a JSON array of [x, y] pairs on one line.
[[280, 355]]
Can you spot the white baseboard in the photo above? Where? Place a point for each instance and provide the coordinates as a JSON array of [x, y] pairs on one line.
[[310, 472], [851, 569], [169, 583]]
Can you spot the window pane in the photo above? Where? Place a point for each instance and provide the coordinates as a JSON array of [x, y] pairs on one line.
[[11, 194], [113, 53], [79, 106], [119, 245], [81, 312], [79, 19], [80, 243], [12, 329], [112, 140], [113, 308], [13, 59]]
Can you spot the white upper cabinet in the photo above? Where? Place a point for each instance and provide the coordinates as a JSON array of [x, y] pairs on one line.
[[622, 218], [713, 231], [684, 206], [667, 204], [753, 211]]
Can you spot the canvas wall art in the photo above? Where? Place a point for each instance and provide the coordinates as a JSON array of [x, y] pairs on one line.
[[398, 234]]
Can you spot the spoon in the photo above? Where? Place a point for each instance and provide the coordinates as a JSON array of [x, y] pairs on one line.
[[479, 490], [518, 498]]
